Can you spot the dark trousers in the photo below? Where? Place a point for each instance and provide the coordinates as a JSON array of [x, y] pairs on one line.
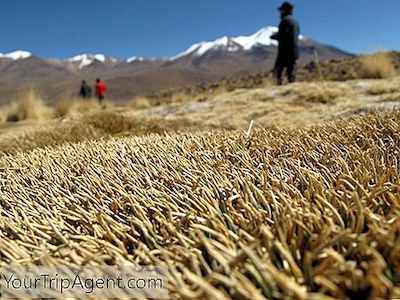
[[285, 63], [101, 98]]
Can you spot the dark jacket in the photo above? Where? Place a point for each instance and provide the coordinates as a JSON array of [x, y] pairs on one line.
[[288, 38], [85, 91]]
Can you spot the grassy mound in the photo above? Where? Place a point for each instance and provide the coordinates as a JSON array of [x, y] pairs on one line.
[[299, 213]]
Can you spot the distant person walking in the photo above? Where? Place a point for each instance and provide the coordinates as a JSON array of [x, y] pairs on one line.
[[101, 89], [85, 91], [288, 44]]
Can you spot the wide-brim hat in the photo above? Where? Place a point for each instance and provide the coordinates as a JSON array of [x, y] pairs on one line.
[[286, 6]]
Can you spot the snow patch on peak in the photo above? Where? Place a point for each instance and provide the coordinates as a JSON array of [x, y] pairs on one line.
[[200, 49], [261, 37], [100, 57], [134, 58], [232, 44], [215, 45], [16, 55], [87, 59], [191, 49]]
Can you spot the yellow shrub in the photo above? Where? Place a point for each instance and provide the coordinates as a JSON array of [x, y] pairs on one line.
[[378, 65], [140, 103], [29, 106]]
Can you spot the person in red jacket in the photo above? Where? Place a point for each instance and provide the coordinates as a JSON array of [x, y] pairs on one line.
[[101, 89]]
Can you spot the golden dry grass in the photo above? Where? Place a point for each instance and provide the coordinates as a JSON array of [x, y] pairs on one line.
[[318, 92], [3, 116], [378, 65], [305, 214], [384, 87], [141, 103], [73, 107], [292, 106], [64, 106], [103, 124], [28, 106], [15, 140]]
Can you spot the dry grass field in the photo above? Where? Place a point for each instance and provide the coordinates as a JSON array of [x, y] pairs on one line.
[[292, 106], [304, 205], [306, 213]]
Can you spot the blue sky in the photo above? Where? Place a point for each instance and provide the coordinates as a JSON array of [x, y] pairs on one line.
[[157, 28]]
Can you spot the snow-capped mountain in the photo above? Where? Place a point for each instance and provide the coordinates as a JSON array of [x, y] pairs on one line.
[[230, 44], [202, 62], [233, 44], [85, 60], [16, 55]]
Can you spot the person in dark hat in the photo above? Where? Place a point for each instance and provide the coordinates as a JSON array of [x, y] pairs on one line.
[[288, 44]]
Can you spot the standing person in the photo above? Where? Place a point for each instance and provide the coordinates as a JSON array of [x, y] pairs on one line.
[[288, 44], [101, 89], [85, 91]]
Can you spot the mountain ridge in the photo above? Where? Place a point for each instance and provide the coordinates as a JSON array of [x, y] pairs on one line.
[[136, 75], [231, 44]]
